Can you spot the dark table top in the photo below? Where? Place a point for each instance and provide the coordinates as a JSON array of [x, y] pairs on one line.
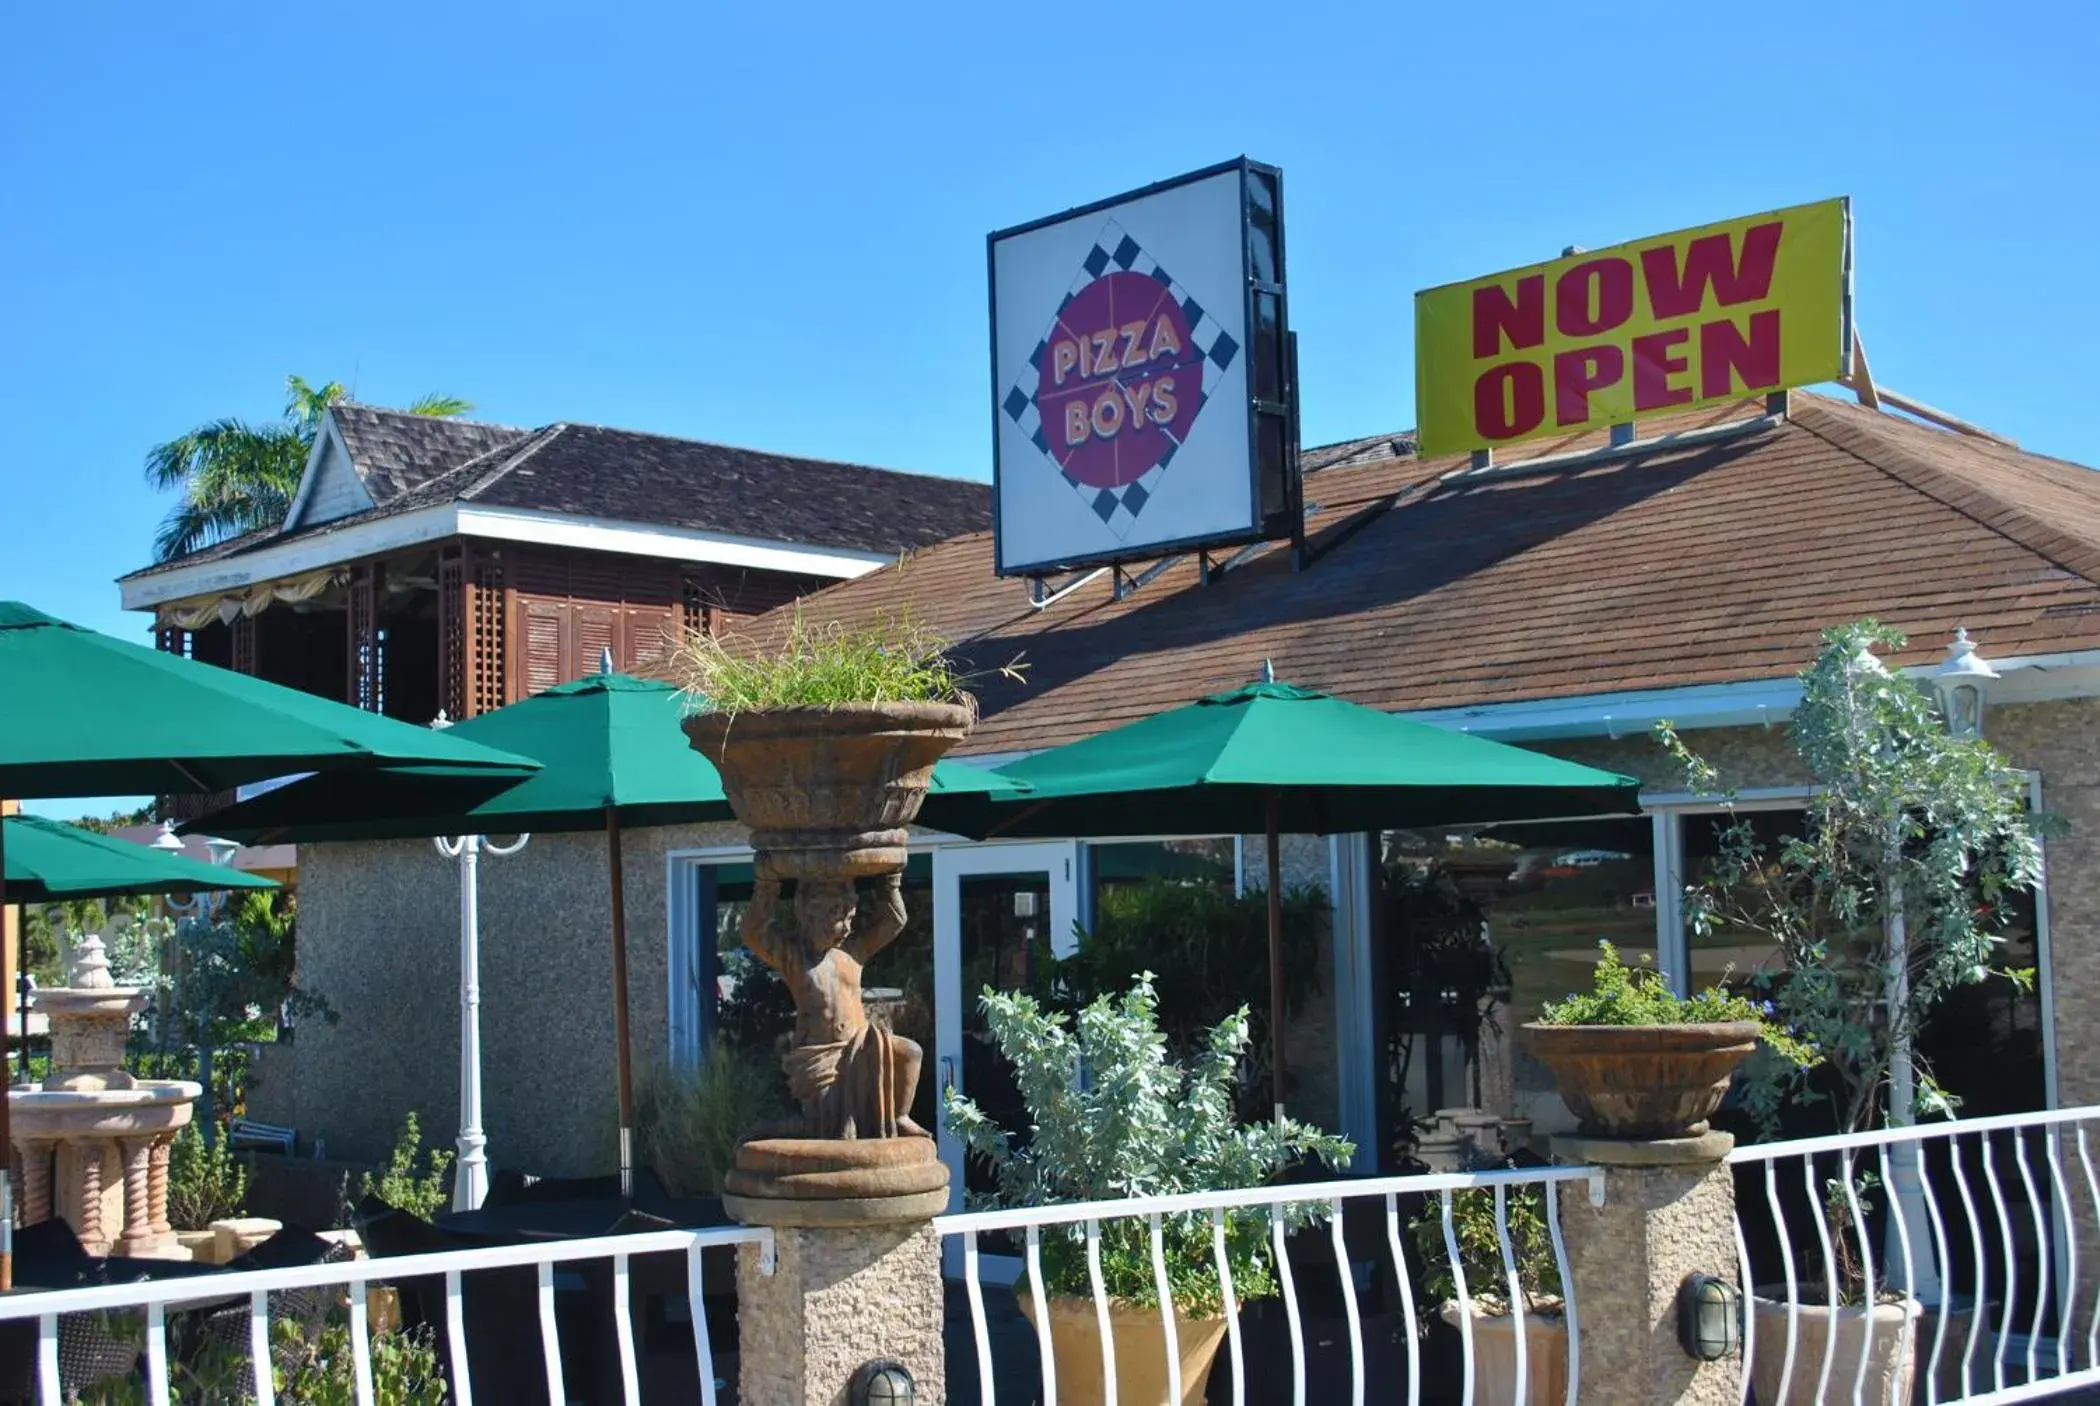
[[577, 1219]]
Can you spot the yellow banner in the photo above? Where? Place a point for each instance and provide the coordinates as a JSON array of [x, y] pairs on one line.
[[1640, 329]]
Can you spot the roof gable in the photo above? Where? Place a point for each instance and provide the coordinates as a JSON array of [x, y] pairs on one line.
[[329, 487]]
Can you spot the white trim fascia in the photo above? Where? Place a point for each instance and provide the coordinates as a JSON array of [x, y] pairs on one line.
[[444, 520], [1628, 714], [642, 539], [2034, 678], [329, 434], [348, 544]]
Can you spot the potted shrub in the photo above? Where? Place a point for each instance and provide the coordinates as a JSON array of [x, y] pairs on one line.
[[1633, 1059], [1493, 1327], [1113, 1115]]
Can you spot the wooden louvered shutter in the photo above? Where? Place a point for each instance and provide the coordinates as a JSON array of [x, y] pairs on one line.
[[544, 655], [597, 630]]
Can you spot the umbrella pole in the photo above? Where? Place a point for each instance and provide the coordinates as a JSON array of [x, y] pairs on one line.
[[8, 955], [1275, 958], [619, 956]]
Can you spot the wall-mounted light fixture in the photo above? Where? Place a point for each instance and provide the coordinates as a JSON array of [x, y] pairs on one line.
[[1709, 1318], [882, 1383]]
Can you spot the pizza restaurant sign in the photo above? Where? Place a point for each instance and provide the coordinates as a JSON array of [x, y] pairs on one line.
[[1657, 325]]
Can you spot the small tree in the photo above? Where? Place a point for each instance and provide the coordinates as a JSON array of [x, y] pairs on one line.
[[1895, 893]]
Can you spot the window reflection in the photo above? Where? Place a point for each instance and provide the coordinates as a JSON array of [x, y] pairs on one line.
[[1730, 954], [1546, 893]]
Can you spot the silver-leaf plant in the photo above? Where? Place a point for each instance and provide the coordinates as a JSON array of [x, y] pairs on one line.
[[1113, 1115], [1895, 893]]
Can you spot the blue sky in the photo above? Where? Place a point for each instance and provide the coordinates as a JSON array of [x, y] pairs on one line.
[[767, 228]]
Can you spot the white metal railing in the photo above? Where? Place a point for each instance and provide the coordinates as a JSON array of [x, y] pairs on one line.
[[158, 1297], [1964, 1254], [1084, 1222]]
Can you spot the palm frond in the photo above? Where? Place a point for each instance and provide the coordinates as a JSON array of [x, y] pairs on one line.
[[305, 404], [440, 405]]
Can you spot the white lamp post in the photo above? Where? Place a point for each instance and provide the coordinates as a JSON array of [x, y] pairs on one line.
[[470, 1178], [1963, 683]]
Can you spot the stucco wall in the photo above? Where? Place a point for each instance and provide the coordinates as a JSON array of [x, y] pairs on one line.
[[379, 939]]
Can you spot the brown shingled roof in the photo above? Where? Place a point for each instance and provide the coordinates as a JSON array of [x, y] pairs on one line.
[[1709, 563]]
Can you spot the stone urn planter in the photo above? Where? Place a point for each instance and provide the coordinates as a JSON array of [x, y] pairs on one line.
[[1495, 1352], [1887, 1333], [830, 792], [1643, 1081], [1140, 1349]]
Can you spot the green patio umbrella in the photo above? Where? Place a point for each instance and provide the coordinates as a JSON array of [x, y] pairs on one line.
[[85, 714], [49, 861], [1279, 759], [613, 756]]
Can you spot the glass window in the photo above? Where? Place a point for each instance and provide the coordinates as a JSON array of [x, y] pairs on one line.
[[1731, 954], [1545, 894]]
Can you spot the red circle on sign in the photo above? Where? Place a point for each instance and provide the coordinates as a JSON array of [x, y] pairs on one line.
[[1121, 380]]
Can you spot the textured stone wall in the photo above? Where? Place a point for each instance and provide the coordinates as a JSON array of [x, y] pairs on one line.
[[1626, 1260], [1746, 757], [379, 940], [835, 1300]]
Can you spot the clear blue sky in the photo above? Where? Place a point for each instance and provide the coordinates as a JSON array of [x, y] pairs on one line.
[[768, 229]]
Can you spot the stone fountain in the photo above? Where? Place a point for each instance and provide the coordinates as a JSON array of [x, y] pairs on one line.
[[91, 1143]]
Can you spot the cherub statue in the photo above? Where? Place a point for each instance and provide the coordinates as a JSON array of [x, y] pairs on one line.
[[852, 1079]]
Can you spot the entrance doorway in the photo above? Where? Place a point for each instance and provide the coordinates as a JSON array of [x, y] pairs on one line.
[[999, 910]]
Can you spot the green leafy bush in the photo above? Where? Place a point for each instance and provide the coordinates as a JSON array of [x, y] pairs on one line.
[[1206, 952], [401, 1185], [205, 1182], [312, 1365], [689, 1121], [1113, 1115], [1623, 995], [1480, 1247]]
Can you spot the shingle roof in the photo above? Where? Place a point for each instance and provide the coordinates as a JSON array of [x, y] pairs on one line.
[[1710, 563], [393, 452], [628, 476]]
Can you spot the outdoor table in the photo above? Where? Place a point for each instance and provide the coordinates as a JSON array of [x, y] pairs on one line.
[[570, 1220]]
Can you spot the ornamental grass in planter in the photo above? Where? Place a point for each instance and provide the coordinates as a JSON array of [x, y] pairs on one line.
[[1112, 1114], [1633, 1059]]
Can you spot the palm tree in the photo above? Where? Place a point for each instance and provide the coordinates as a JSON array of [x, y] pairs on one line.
[[235, 477]]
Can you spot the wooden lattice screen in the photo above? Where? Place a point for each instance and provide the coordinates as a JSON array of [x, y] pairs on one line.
[[245, 656], [485, 637], [363, 638]]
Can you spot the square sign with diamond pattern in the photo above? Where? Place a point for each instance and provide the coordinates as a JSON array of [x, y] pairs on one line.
[[1139, 361]]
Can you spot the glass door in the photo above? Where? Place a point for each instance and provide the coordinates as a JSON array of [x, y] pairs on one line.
[[999, 911]]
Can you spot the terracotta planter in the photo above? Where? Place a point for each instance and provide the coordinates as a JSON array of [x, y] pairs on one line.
[[1889, 1340], [1642, 1081], [829, 792], [1141, 1352], [1495, 1353]]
